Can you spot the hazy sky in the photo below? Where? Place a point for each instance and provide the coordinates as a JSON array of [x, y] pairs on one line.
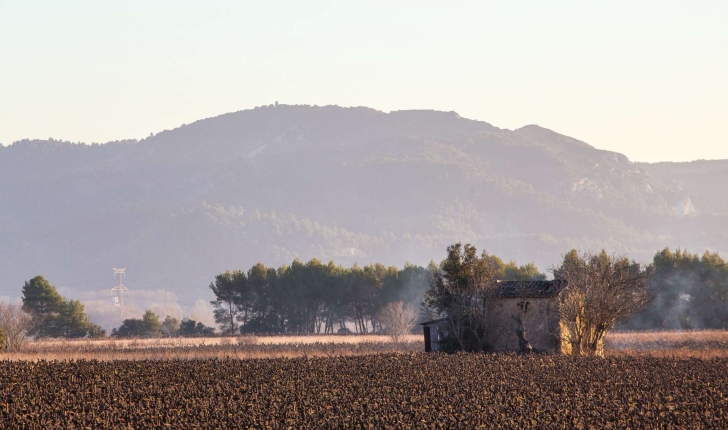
[[648, 79]]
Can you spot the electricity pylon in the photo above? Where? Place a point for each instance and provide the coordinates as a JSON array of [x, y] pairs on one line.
[[118, 292]]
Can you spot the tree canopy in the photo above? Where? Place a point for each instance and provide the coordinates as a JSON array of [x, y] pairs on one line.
[[71, 321], [147, 326], [690, 291], [150, 326], [314, 297], [311, 297], [52, 314], [42, 301], [192, 328]]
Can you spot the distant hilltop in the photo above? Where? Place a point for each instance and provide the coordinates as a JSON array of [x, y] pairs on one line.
[[351, 184]]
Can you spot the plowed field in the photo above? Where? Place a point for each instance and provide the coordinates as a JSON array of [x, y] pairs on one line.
[[379, 391]]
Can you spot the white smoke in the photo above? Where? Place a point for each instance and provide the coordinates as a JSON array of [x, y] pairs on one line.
[[102, 310]]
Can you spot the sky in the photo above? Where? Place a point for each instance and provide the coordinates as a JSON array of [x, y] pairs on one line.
[[648, 79]]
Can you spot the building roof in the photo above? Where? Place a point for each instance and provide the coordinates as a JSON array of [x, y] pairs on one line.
[[433, 321], [529, 289]]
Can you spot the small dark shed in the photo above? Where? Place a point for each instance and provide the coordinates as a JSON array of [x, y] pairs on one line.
[[434, 332]]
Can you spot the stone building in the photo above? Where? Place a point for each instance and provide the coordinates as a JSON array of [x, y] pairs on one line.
[[539, 301], [529, 306]]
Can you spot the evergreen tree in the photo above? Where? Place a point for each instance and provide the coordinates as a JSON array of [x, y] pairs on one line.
[[690, 291], [71, 321], [151, 325], [96, 332], [42, 301], [228, 289], [132, 327], [192, 328], [170, 326], [147, 326], [314, 297]]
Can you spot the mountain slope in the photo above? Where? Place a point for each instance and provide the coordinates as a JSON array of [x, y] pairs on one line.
[[349, 184]]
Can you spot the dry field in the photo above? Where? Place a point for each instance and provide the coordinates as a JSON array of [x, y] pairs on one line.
[[699, 344], [213, 347], [416, 390]]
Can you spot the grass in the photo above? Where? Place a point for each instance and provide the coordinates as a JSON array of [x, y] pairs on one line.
[[176, 342], [242, 347], [697, 344]]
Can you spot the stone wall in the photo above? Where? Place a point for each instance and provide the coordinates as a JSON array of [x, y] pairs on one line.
[[541, 322]]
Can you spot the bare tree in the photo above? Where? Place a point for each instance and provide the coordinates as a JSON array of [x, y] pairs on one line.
[[398, 319], [524, 345], [602, 291], [467, 313], [15, 323]]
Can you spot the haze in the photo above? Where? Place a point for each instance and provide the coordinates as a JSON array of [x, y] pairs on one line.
[[646, 79]]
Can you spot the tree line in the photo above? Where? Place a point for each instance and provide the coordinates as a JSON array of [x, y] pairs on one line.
[[687, 291], [314, 297], [45, 313], [52, 315], [690, 292], [149, 325]]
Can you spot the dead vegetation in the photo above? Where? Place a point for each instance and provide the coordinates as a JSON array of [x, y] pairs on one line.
[[213, 347], [602, 291], [699, 344], [376, 391]]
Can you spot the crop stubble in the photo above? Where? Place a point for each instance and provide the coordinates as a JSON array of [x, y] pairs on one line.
[[382, 390]]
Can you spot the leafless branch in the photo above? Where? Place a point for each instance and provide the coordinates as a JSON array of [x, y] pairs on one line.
[[603, 290], [398, 319], [15, 323]]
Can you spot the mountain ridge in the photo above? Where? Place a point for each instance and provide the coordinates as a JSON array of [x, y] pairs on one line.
[[350, 184]]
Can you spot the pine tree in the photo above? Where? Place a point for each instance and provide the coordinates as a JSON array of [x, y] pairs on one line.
[[42, 301], [170, 326], [71, 320], [227, 288], [151, 324]]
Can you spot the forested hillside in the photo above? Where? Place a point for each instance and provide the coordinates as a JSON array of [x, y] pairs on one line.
[[350, 184]]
